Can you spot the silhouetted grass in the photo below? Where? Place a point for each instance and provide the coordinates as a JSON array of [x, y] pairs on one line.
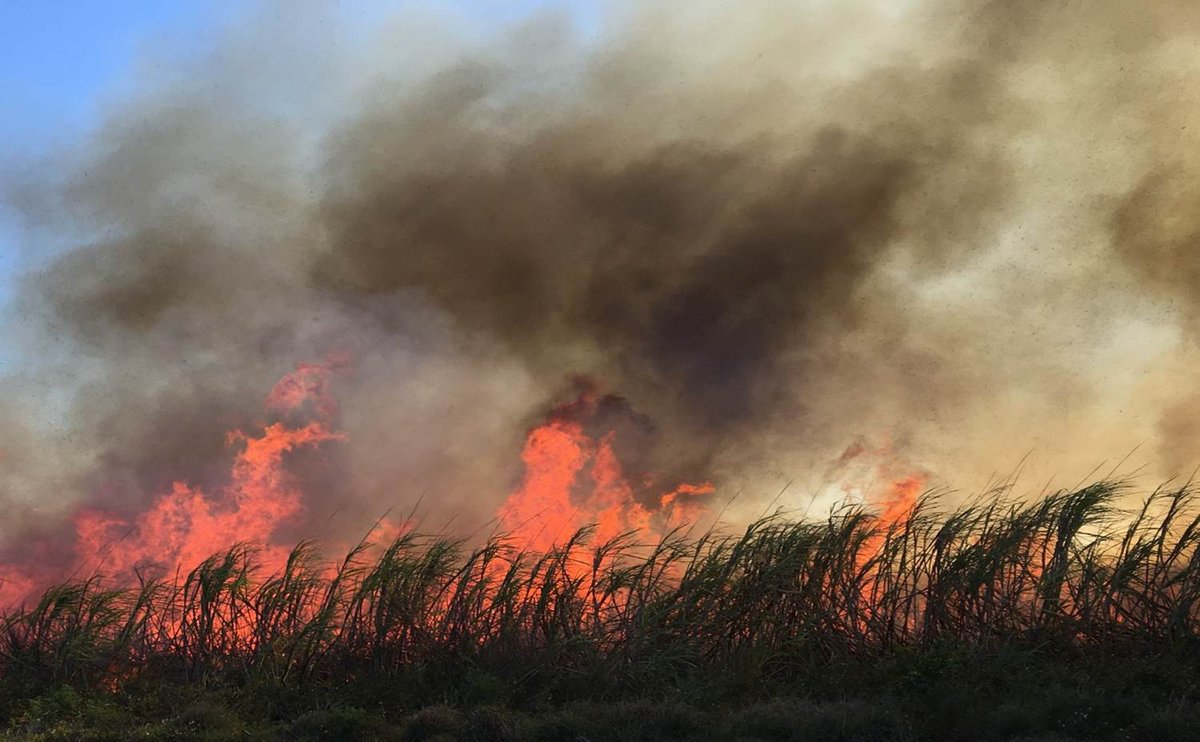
[[1066, 616]]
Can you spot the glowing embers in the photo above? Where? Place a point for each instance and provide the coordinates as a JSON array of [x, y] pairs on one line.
[[578, 472]]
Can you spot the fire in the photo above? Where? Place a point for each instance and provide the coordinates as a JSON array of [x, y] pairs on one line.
[[15, 586], [185, 525], [900, 498], [582, 467], [879, 477], [888, 485], [308, 387], [574, 478]]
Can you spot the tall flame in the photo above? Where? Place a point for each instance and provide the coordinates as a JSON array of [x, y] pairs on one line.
[[573, 479], [185, 525]]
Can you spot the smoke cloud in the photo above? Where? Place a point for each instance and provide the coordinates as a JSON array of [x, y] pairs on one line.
[[962, 228]]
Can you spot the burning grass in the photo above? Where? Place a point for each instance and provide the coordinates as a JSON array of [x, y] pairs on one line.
[[784, 606]]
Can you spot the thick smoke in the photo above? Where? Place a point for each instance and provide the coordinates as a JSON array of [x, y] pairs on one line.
[[768, 229]]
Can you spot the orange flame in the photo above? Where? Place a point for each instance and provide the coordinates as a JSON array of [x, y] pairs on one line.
[[888, 484], [900, 498], [185, 525], [573, 479]]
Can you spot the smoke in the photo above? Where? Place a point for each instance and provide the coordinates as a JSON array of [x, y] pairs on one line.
[[960, 227]]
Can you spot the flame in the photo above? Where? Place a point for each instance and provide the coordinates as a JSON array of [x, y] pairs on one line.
[[573, 479], [889, 485], [879, 477], [185, 525], [308, 387], [15, 586], [900, 498]]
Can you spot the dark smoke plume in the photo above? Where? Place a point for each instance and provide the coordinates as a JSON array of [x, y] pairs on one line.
[[768, 229]]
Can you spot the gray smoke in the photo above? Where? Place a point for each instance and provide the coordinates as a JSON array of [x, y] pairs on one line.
[[770, 229]]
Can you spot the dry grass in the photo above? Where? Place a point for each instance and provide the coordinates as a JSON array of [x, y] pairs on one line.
[[755, 609]]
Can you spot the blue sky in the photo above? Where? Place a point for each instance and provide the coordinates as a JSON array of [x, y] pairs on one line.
[[58, 59], [58, 56], [62, 60]]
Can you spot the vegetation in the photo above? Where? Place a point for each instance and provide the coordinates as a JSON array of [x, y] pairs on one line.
[[1064, 618]]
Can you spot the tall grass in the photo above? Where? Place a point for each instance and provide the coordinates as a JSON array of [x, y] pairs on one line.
[[776, 600]]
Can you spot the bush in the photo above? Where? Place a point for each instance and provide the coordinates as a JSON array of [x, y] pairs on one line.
[[435, 723], [784, 720], [336, 724]]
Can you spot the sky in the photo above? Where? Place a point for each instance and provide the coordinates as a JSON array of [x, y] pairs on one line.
[[59, 61], [62, 62], [239, 174]]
